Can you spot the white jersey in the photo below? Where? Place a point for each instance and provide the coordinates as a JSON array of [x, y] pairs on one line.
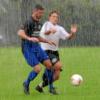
[[61, 33]]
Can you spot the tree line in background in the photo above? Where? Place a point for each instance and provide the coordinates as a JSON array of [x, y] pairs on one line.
[[85, 13]]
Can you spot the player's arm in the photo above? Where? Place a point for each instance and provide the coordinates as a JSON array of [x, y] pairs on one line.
[[24, 31], [73, 31], [22, 35], [46, 41], [65, 35], [50, 31]]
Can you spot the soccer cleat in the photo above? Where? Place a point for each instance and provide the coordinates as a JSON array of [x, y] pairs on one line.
[[53, 91], [26, 89], [39, 89]]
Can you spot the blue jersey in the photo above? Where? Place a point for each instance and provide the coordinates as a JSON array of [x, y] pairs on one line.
[[32, 29], [32, 51]]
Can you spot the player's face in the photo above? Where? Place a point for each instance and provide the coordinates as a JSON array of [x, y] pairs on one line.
[[54, 18], [39, 14]]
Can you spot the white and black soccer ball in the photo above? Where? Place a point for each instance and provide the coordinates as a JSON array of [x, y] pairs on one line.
[[76, 79]]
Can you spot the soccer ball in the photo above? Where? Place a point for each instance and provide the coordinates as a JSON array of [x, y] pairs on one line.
[[76, 79]]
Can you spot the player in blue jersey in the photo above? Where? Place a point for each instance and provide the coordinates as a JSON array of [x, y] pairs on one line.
[[32, 51]]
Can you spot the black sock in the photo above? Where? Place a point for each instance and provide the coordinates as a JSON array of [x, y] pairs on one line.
[[45, 80]]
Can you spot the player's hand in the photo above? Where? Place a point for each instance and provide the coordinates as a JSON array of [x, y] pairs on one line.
[[33, 39], [52, 30], [73, 28], [51, 43]]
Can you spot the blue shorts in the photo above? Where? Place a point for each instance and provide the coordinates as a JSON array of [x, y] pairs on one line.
[[34, 55]]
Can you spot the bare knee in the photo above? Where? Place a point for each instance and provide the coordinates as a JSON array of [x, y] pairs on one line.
[[37, 69], [57, 67], [47, 64]]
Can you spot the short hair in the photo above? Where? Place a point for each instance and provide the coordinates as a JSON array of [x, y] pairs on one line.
[[54, 11], [38, 7]]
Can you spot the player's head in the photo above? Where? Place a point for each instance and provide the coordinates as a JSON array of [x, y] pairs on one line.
[[38, 12], [54, 17]]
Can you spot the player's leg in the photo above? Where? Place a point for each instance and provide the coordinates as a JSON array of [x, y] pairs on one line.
[[49, 75], [56, 75], [57, 70], [34, 63], [43, 57], [54, 58], [32, 75]]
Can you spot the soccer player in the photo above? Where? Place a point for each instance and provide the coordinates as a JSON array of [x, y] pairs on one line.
[[54, 32], [31, 49]]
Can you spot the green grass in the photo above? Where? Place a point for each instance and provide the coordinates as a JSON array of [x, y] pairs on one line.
[[85, 61]]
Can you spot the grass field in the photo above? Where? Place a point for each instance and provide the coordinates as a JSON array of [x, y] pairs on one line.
[[85, 61]]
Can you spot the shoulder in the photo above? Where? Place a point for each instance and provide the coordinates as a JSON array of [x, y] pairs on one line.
[[27, 24], [60, 27], [47, 23], [30, 21]]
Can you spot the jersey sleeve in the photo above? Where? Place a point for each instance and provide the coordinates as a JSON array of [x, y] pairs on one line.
[[27, 27], [63, 33]]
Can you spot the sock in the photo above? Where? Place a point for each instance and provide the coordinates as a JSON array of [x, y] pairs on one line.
[[31, 77], [49, 74], [44, 83], [45, 80]]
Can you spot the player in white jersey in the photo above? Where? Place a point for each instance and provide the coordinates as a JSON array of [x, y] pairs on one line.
[[54, 32]]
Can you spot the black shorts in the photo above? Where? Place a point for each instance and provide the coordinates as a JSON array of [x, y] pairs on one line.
[[53, 56]]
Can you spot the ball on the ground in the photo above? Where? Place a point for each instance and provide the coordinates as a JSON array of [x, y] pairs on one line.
[[76, 79]]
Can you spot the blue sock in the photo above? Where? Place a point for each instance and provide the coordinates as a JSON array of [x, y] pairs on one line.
[[31, 77], [49, 74]]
